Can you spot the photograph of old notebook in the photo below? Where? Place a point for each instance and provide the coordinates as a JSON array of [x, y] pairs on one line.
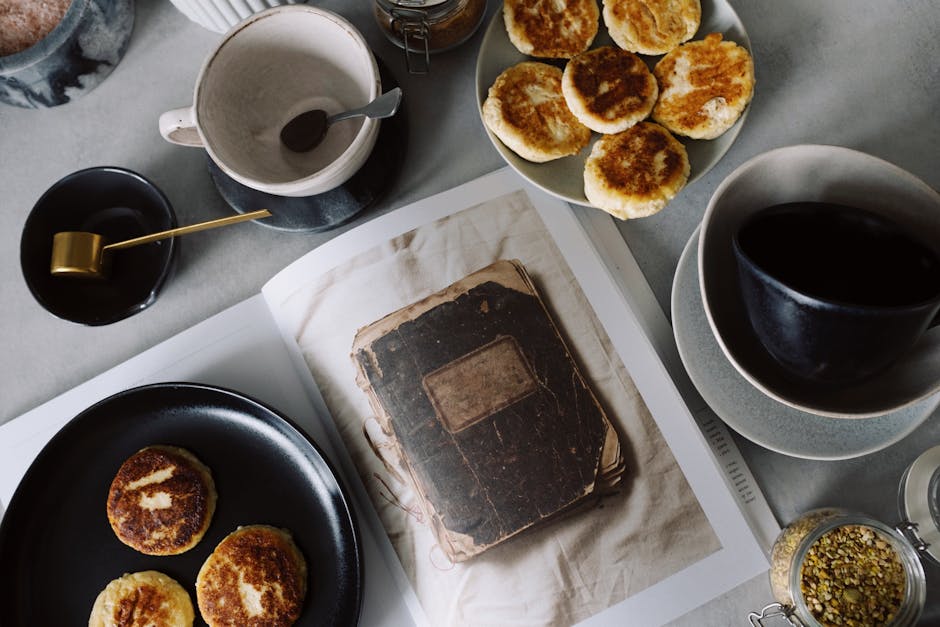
[[493, 422], [482, 407]]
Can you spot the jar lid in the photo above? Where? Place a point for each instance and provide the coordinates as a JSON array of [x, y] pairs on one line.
[[919, 501]]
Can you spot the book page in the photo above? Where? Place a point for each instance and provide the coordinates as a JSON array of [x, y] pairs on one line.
[[624, 272], [672, 538]]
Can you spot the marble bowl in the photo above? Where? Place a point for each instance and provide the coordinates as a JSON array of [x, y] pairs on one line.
[[74, 58], [114, 202], [806, 173]]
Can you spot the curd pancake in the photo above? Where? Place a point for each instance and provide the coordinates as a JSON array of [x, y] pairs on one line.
[[255, 576], [704, 87], [609, 89], [526, 110], [635, 173], [161, 501], [651, 26], [557, 29], [144, 599]]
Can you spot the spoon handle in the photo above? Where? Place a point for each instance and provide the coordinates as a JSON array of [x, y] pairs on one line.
[[385, 106], [192, 228]]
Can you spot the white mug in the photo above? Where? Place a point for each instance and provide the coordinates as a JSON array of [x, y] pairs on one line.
[[268, 69]]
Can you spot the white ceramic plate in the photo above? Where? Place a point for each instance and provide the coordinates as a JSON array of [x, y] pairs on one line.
[[755, 415], [565, 177]]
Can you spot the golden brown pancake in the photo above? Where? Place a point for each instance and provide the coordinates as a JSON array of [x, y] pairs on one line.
[[255, 576], [526, 110], [161, 501], [651, 26], [704, 87], [144, 599], [635, 173], [557, 29], [609, 89]]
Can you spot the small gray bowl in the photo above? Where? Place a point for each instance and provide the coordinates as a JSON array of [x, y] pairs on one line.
[[79, 53]]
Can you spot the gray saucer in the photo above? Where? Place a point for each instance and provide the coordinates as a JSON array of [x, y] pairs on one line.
[[753, 414]]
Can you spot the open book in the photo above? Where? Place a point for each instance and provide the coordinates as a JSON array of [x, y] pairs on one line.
[[484, 370]]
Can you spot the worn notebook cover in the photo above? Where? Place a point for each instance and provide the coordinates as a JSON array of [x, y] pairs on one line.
[[492, 421]]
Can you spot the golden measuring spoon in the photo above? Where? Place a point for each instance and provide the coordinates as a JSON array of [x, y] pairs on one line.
[[83, 254]]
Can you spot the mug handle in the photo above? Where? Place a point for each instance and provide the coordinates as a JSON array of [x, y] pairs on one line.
[[178, 126]]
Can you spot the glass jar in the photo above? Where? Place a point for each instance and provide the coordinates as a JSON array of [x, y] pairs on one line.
[[834, 561], [422, 27]]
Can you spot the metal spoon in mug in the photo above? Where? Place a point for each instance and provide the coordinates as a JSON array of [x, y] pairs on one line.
[[83, 254], [307, 130]]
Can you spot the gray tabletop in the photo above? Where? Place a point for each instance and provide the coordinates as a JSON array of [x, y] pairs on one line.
[[856, 73]]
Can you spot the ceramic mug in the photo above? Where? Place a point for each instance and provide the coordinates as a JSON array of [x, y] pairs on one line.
[[835, 293], [268, 69], [828, 174], [71, 59]]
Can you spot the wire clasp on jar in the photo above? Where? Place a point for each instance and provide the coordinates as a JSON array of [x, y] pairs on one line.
[[413, 28], [774, 610]]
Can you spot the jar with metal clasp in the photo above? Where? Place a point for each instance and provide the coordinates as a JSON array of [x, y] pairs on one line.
[[837, 567], [423, 27]]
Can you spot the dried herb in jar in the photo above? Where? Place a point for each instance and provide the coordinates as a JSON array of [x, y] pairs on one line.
[[786, 546], [853, 576]]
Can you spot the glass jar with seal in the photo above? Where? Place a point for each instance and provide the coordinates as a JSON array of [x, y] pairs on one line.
[[834, 567], [423, 27]]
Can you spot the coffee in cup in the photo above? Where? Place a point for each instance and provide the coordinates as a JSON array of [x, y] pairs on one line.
[[834, 293]]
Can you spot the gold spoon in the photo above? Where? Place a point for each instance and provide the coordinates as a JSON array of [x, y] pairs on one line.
[[83, 254]]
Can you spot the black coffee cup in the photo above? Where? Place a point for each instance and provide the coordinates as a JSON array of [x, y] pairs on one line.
[[835, 294]]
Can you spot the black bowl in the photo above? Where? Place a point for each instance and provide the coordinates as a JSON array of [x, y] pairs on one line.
[[118, 204]]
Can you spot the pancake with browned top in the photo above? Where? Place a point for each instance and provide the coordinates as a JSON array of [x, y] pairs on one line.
[[144, 599], [255, 576], [609, 89], [161, 500], [557, 29], [651, 26], [704, 87], [526, 110], [635, 173]]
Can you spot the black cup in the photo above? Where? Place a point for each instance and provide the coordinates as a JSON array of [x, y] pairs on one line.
[[835, 294]]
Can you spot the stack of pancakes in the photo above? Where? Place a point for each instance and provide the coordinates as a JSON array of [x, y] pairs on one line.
[[699, 89], [161, 502]]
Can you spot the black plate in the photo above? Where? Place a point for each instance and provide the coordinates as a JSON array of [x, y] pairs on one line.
[[58, 551]]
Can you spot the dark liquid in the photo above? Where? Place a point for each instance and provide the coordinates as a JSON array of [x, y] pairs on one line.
[[842, 254]]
